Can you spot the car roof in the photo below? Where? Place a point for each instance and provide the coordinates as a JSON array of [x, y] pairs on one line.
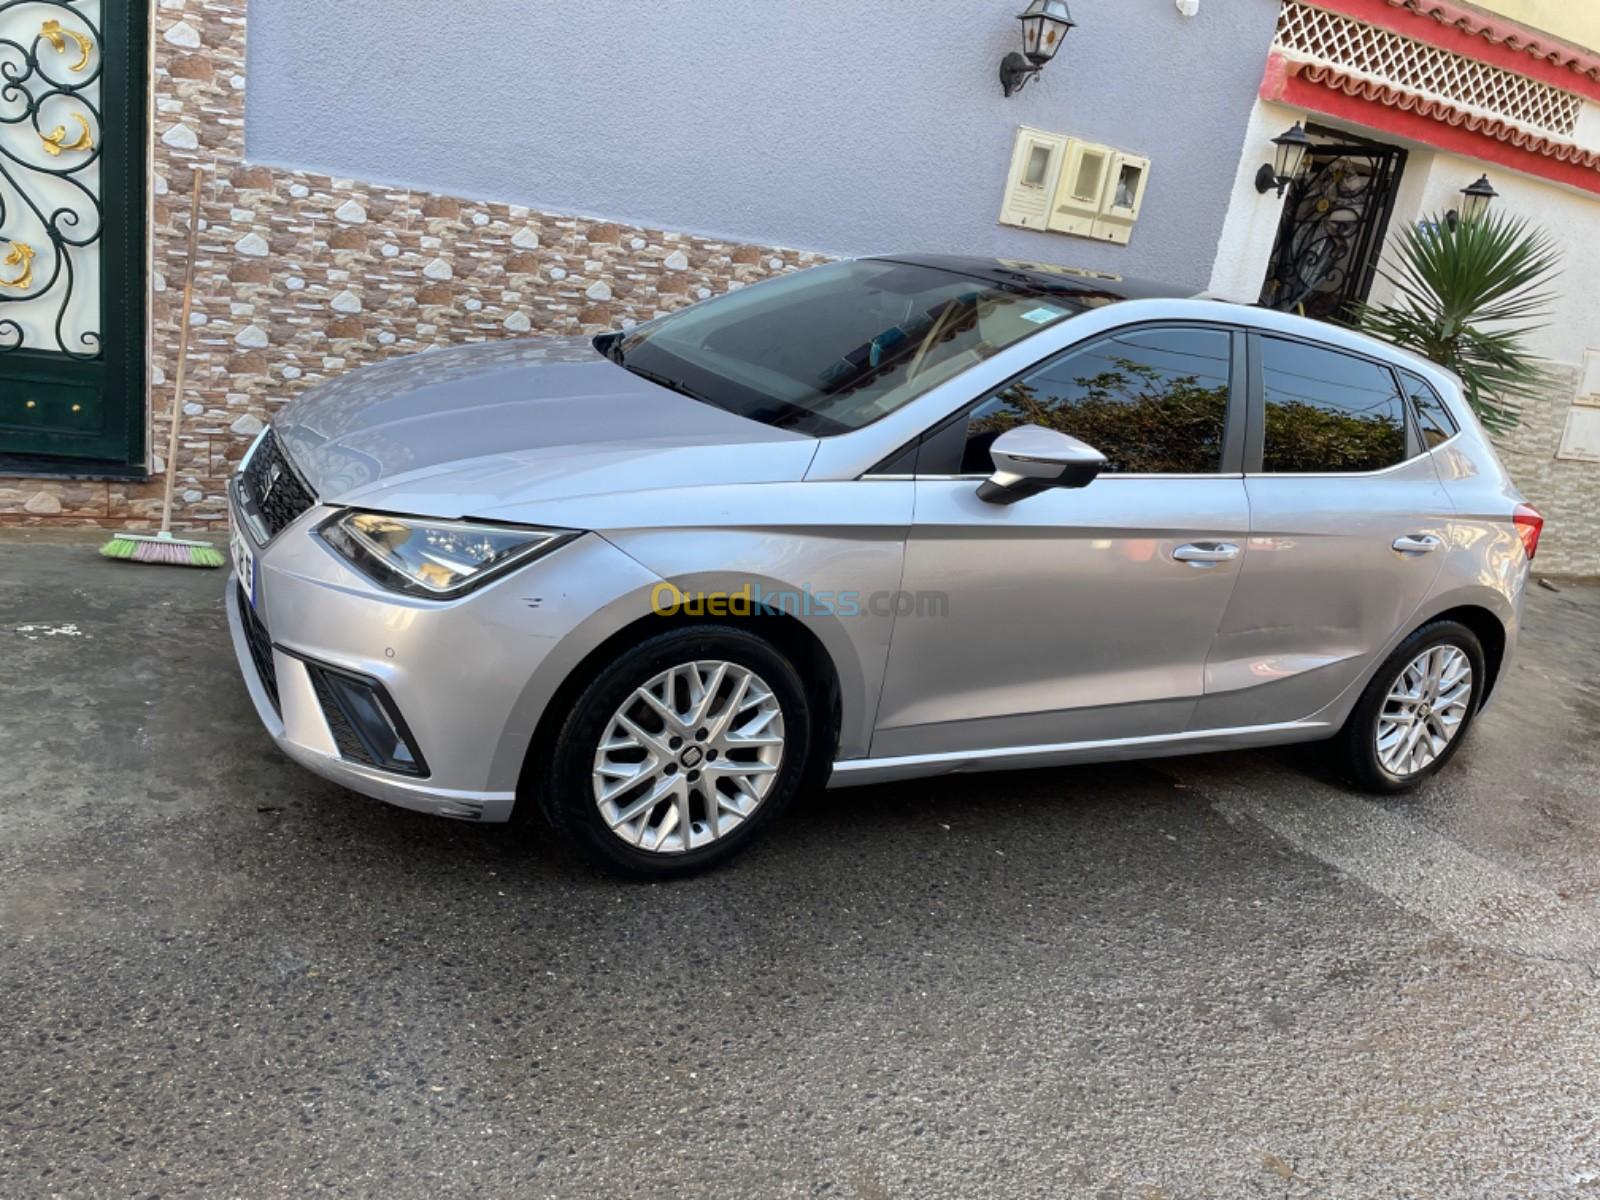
[[1092, 288]]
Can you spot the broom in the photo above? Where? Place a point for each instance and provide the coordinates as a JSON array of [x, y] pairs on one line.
[[162, 547]]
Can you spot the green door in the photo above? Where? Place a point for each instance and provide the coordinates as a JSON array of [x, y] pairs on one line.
[[72, 281]]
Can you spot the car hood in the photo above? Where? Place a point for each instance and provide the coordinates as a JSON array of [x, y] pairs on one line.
[[485, 428]]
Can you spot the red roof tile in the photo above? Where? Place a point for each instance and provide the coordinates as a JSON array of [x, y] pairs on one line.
[[1503, 32], [1439, 110]]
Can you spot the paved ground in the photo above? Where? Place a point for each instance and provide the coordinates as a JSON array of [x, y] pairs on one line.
[[1200, 978]]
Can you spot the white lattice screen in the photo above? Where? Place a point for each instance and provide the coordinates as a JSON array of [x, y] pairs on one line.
[[1412, 66]]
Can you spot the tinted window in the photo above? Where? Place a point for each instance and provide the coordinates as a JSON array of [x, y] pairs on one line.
[[1432, 415], [1328, 411], [1152, 400], [834, 348]]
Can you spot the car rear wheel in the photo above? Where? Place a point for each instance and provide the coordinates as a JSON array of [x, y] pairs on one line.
[[679, 752], [1416, 710]]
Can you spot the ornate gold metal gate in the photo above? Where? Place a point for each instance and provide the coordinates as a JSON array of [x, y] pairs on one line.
[[72, 308]]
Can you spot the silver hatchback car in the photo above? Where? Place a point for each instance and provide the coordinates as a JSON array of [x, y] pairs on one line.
[[884, 518]]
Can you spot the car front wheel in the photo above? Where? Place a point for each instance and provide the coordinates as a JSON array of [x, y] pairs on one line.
[[679, 752], [1416, 710]]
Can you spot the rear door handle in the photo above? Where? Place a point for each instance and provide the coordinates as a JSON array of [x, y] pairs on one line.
[[1206, 553], [1417, 543]]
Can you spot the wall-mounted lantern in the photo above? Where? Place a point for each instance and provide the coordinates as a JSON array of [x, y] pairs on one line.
[[1280, 173], [1475, 203], [1044, 26]]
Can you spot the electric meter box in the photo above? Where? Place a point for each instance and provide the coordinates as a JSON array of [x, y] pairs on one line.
[[1066, 185]]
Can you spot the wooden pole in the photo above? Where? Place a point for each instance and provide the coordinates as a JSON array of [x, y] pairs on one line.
[[183, 352]]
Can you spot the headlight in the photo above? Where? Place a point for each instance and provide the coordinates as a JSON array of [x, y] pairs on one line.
[[436, 559]]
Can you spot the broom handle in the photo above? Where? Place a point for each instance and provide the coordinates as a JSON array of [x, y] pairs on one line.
[[183, 352]]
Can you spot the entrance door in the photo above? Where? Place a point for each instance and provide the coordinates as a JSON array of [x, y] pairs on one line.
[[72, 193], [1333, 225]]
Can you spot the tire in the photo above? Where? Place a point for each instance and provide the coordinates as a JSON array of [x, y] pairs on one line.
[[1356, 750], [613, 728]]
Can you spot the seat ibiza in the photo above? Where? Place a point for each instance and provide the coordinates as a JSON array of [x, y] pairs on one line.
[[885, 518]]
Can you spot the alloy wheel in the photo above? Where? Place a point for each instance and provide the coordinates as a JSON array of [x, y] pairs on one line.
[[688, 757], [1424, 710]]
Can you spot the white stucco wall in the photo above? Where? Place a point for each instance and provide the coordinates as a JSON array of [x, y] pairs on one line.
[[1572, 218], [1251, 222]]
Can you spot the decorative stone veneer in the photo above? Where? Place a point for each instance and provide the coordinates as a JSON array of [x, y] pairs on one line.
[[300, 277], [1566, 491]]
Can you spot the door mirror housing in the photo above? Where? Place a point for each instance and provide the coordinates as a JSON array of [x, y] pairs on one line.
[[1030, 459]]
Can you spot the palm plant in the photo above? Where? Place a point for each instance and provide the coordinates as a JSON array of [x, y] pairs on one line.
[[1468, 293]]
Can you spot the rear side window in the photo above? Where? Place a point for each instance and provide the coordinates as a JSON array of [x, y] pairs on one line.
[[1153, 401], [1432, 415], [1328, 411]]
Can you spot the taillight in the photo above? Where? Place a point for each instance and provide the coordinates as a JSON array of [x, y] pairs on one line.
[[1529, 525]]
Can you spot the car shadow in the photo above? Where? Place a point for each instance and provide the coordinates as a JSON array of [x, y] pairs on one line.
[[859, 829]]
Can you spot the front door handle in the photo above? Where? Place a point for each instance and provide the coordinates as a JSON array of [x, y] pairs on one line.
[[1203, 554], [1417, 543]]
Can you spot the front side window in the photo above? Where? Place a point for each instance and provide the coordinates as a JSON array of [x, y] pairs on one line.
[[1153, 401], [831, 349], [1328, 411]]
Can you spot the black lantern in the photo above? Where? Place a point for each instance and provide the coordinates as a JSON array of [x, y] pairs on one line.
[[1044, 25], [1292, 147], [1476, 202]]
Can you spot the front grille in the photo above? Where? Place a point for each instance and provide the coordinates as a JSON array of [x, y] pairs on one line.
[[272, 488], [260, 643]]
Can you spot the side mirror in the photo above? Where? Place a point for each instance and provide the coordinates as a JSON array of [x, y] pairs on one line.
[[1030, 458]]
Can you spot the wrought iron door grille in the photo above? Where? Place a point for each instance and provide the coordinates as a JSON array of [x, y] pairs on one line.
[[50, 204], [1332, 230]]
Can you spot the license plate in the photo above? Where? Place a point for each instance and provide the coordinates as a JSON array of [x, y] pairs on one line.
[[244, 562]]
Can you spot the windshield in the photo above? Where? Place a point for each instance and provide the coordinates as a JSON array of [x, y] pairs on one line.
[[834, 348]]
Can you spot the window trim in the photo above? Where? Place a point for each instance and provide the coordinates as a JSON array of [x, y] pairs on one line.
[[1235, 421], [1402, 374], [1255, 440]]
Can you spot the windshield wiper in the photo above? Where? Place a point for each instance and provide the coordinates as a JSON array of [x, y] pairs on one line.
[[676, 385]]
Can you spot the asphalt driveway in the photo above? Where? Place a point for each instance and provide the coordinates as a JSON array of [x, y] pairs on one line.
[[1219, 977]]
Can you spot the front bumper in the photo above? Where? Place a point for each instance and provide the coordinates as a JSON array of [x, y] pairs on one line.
[[466, 679], [312, 745]]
